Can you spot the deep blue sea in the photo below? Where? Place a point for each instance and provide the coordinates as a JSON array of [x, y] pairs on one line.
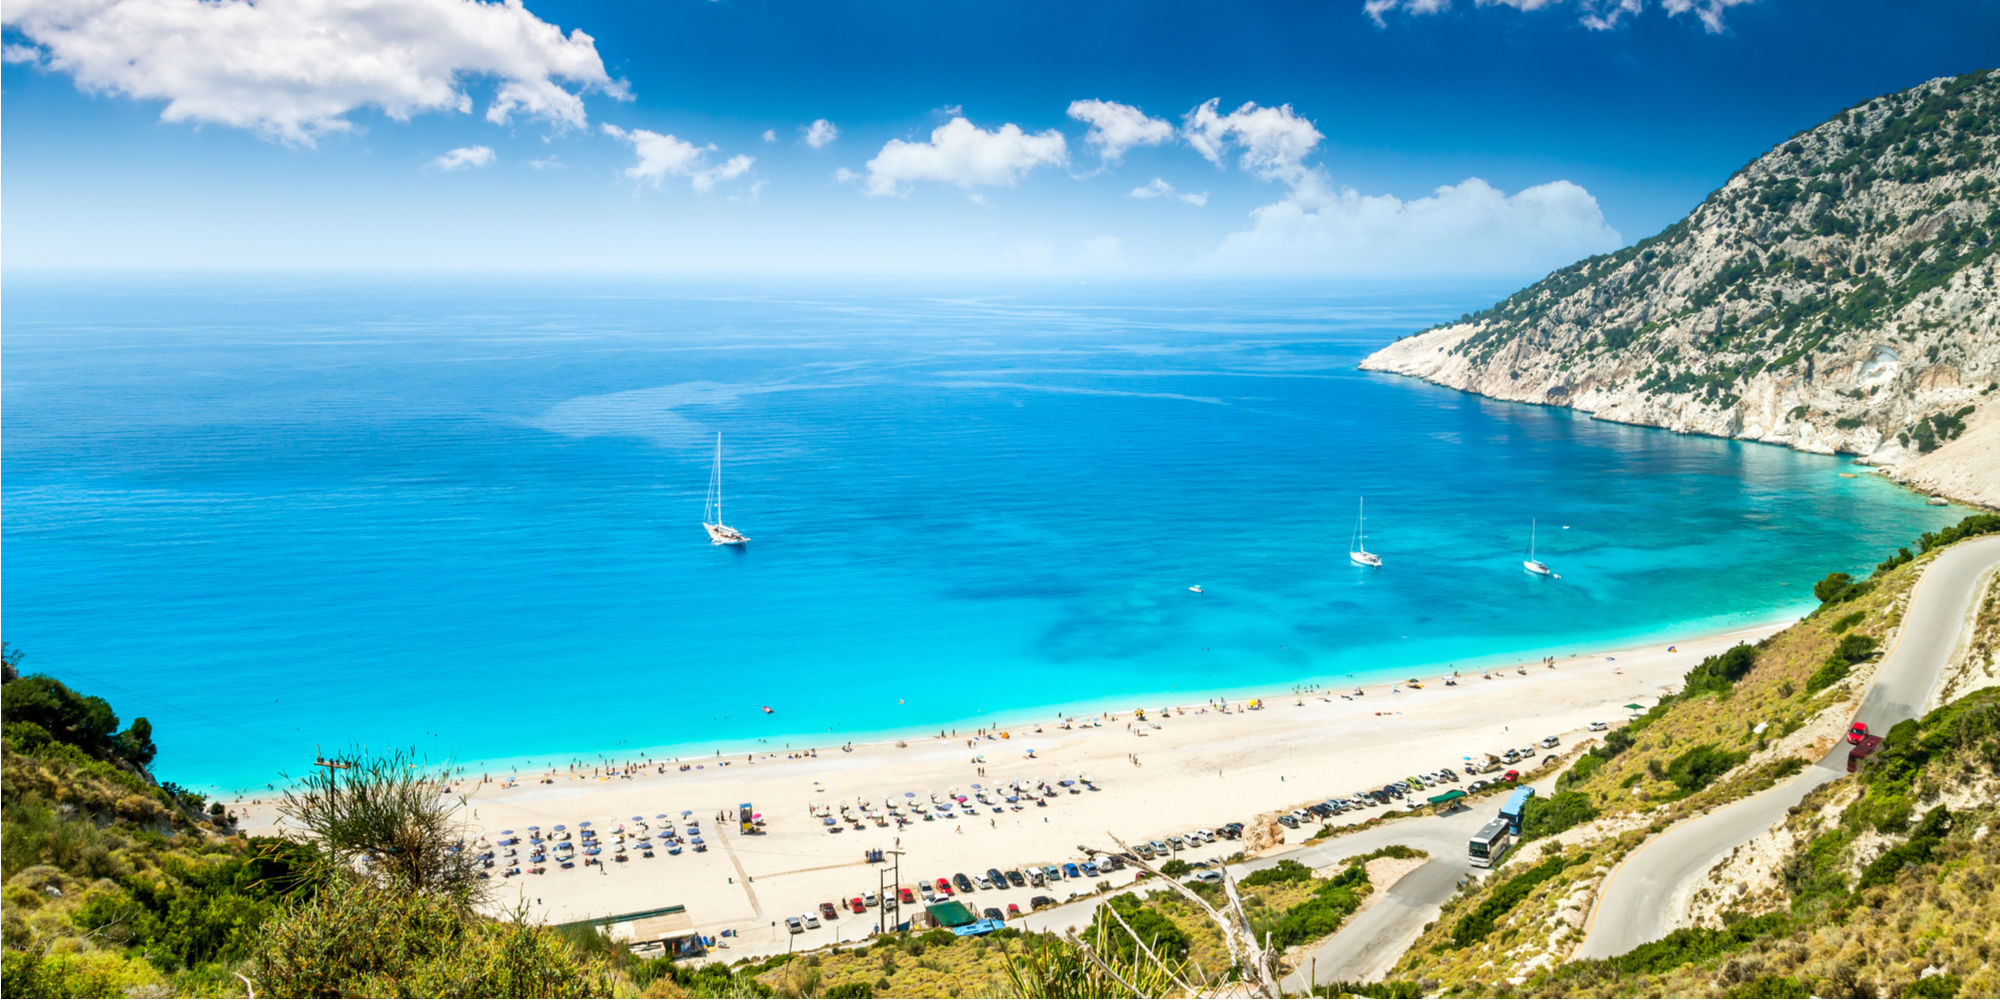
[[276, 514]]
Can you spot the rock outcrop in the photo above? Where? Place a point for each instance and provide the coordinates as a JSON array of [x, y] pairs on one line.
[[1838, 295]]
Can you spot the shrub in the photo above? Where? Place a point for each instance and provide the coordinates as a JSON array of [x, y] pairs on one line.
[[1559, 812], [1162, 936], [1721, 672], [1697, 768], [1284, 872], [1474, 926]]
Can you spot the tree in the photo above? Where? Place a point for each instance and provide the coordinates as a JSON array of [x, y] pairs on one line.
[[82, 721], [388, 818], [1833, 586]]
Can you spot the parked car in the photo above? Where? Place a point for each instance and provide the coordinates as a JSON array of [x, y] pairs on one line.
[[1212, 877], [1090, 869], [993, 875], [1051, 873], [1070, 870], [1477, 785], [868, 899], [1159, 847], [907, 896], [1289, 820], [1549, 741], [1857, 732], [964, 884], [1036, 878], [1016, 879], [1511, 775], [1597, 727], [811, 921], [1207, 836], [1013, 910], [1232, 830], [795, 925], [944, 886], [993, 913], [826, 910], [983, 882], [1176, 844], [1040, 901], [856, 905]]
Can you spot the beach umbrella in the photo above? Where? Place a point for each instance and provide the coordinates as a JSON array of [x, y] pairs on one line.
[[1635, 708], [560, 827], [685, 813], [661, 816], [506, 833], [584, 823], [909, 795], [638, 819], [977, 785], [533, 829]]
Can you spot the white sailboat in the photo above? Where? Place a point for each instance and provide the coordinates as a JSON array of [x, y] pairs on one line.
[[711, 512], [1359, 553], [1532, 564]]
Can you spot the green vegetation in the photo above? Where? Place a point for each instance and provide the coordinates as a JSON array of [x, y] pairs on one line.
[[116, 886], [1543, 817], [1474, 926]]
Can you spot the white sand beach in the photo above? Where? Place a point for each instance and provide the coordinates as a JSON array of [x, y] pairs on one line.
[[1197, 767]]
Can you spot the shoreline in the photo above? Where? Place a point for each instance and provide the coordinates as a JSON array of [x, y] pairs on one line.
[[527, 767], [1195, 767]]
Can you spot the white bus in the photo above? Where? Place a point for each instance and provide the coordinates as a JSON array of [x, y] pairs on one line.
[[1489, 844]]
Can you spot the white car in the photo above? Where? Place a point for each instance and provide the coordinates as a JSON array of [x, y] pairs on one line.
[[794, 925], [983, 882], [868, 899], [1207, 836], [810, 920], [1598, 727], [1549, 741]]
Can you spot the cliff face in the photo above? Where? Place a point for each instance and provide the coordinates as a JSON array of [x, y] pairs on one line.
[[1838, 295]]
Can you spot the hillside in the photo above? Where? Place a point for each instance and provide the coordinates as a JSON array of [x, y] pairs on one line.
[[1877, 885], [1835, 296]]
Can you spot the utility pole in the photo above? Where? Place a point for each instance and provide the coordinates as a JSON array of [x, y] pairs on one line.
[[889, 903]]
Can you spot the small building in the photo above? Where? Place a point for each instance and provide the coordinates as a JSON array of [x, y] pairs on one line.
[[667, 931]]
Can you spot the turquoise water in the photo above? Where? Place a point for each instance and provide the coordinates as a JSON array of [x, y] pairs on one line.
[[273, 516]]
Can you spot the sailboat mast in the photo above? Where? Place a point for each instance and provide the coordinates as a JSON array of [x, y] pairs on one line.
[[718, 478]]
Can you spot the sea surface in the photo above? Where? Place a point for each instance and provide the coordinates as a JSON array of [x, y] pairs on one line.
[[277, 515]]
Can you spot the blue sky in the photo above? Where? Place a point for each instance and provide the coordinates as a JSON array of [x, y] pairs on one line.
[[451, 135]]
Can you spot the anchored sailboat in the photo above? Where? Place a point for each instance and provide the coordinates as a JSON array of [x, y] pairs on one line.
[[1359, 553], [711, 512], [1532, 564]]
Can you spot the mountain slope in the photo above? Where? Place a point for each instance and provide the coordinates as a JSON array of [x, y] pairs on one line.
[[1836, 295]]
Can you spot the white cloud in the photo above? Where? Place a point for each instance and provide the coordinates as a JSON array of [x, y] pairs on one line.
[[463, 157], [1159, 188], [291, 69], [661, 156], [961, 153], [770, 135], [547, 163], [1275, 141], [1598, 15], [1467, 227], [1115, 128], [819, 133]]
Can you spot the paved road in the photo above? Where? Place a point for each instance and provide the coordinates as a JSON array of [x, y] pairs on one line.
[[1370, 944], [1641, 896]]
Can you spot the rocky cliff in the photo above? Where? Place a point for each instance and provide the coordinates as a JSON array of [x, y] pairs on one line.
[[1836, 296]]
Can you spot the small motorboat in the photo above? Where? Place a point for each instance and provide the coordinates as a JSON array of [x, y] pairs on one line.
[[1196, 589], [768, 711]]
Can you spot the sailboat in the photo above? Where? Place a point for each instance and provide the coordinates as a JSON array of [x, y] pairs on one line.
[[1359, 553], [1532, 564], [719, 533]]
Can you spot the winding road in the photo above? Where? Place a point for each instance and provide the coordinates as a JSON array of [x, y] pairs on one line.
[[1641, 896]]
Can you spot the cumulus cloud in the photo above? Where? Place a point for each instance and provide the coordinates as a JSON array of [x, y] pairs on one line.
[[662, 156], [1274, 141], [1159, 188], [292, 69], [819, 133], [464, 157], [1598, 15], [1467, 227], [770, 135], [961, 153], [1115, 128]]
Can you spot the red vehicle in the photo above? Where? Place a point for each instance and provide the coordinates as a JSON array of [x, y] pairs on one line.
[[943, 887], [826, 910], [1013, 910], [1511, 776], [855, 905], [908, 896], [1857, 732]]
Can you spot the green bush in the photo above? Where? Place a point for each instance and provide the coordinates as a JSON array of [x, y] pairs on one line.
[[1545, 817], [1929, 986], [1717, 674], [1284, 872], [1775, 986], [1698, 768], [1474, 926], [1162, 936]]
